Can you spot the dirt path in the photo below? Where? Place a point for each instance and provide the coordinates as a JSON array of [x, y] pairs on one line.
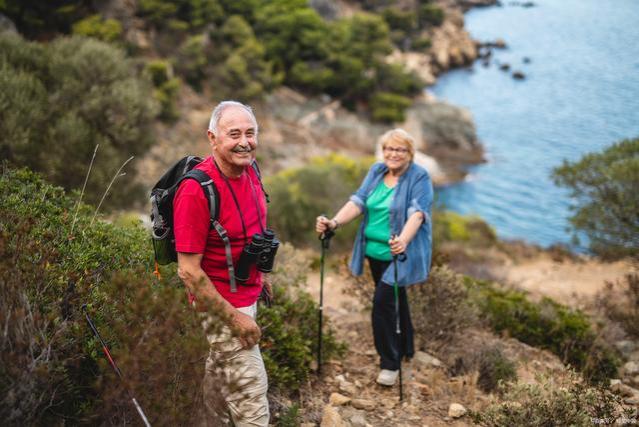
[[428, 391]]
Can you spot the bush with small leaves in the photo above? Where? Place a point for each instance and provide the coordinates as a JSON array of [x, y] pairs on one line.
[[554, 402], [567, 333], [299, 195], [53, 259], [440, 308], [58, 101], [494, 368], [620, 302], [108, 30], [388, 107]]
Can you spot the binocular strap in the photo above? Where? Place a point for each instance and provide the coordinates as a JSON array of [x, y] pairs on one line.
[[229, 256]]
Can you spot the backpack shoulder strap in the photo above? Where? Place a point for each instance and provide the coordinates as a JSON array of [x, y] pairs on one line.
[[209, 188]]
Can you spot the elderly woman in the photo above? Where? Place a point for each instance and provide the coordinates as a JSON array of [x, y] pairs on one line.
[[395, 198]]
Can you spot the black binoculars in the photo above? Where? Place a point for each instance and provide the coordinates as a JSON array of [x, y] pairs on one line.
[[261, 251]]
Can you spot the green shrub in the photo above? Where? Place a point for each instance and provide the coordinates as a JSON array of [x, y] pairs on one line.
[[440, 308], [422, 43], [388, 107], [450, 226], [547, 324], [604, 189], [58, 101], [399, 19], [430, 15], [290, 334], [180, 15], [494, 368], [52, 370], [167, 88], [394, 78], [299, 195], [108, 30], [567, 402], [191, 60]]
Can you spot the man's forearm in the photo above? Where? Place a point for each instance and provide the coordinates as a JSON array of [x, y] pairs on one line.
[[199, 284]]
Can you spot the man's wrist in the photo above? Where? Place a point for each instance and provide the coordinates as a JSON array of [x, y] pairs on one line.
[[335, 224]]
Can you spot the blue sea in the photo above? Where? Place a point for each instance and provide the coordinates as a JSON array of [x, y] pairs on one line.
[[580, 94]]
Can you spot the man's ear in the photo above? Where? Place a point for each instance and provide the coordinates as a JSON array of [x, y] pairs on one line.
[[212, 139]]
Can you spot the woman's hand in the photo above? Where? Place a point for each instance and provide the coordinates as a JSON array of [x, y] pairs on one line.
[[397, 245], [322, 224]]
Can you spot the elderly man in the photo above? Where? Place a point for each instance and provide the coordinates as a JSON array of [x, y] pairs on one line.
[[203, 266]]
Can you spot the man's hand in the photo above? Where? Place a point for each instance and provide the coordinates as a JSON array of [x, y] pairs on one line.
[[247, 330]]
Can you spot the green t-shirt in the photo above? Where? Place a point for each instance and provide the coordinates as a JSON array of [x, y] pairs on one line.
[[377, 229]]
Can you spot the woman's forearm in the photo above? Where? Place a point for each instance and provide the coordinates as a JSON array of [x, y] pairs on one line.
[[410, 228], [347, 213]]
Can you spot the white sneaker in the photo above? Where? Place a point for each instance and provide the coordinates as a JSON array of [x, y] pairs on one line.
[[387, 377]]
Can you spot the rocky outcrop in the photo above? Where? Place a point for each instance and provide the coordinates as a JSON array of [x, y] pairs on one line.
[[295, 128], [451, 47]]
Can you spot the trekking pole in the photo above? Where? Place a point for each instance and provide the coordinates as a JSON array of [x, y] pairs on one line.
[[113, 364], [325, 239], [398, 330]]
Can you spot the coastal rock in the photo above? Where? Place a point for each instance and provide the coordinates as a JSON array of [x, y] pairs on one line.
[[518, 75], [426, 359], [337, 399], [452, 46], [367, 405], [631, 368], [626, 347], [456, 410], [469, 4], [446, 133], [331, 418], [622, 389]]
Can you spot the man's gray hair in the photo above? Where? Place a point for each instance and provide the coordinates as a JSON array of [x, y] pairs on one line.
[[221, 107]]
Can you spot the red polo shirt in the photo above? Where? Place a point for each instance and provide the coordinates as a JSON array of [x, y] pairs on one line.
[[193, 233]]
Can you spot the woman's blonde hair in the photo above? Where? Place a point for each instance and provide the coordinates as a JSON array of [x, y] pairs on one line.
[[398, 135]]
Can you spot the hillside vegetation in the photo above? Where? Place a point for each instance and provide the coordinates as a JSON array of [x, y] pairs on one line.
[[244, 49], [55, 257]]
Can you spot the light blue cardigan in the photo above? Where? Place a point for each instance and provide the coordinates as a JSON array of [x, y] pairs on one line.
[[413, 193]]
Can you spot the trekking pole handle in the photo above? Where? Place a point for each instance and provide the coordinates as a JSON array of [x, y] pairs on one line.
[[326, 236]]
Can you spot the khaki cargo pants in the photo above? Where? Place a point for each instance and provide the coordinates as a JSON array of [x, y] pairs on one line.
[[246, 399]]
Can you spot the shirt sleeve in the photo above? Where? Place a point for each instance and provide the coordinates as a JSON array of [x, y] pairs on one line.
[[421, 197], [190, 218]]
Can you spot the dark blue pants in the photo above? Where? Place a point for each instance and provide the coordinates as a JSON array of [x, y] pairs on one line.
[[388, 344]]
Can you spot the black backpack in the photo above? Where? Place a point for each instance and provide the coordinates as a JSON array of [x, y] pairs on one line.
[[162, 195]]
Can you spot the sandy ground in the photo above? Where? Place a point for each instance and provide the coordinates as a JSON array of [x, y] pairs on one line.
[[569, 282]]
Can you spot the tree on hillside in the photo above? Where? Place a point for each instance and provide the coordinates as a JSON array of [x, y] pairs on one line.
[[604, 187], [58, 101]]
